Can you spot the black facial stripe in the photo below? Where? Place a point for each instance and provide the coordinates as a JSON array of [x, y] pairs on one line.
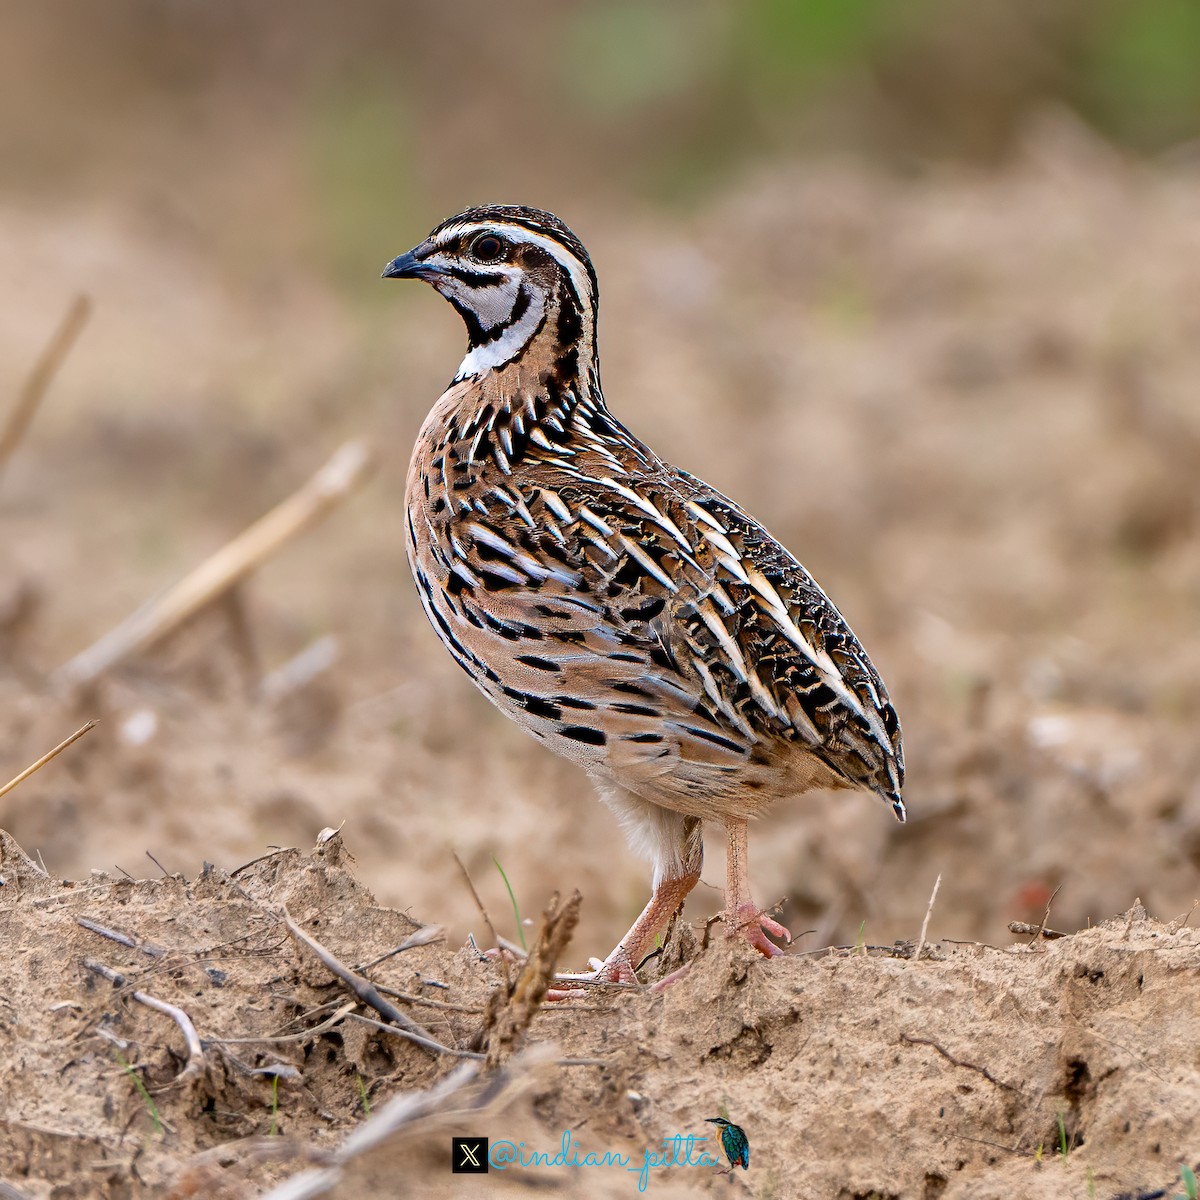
[[475, 333], [570, 244], [519, 309], [520, 306], [497, 331], [570, 318], [477, 279]]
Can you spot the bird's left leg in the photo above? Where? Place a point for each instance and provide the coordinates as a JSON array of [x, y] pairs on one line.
[[676, 844], [743, 918], [666, 900]]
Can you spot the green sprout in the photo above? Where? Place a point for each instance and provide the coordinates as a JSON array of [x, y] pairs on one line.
[[1191, 1191], [516, 910], [147, 1099]]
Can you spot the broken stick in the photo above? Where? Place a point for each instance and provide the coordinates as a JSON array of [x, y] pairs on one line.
[[42, 376], [41, 762], [363, 988], [937, 883], [1037, 930], [212, 579], [194, 1067], [510, 1010]]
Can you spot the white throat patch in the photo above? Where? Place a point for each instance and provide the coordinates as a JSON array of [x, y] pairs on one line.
[[511, 342]]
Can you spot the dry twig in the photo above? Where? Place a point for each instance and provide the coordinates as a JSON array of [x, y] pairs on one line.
[[275, 1070], [423, 937], [958, 1062], [1180, 921], [1041, 929], [363, 988], [427, 1042], [42, 376], [429, 1002], [194, 1067], [510, 1011], [159, 865], [124, 939], [300, 670], [393, 1118], [72, 894], [509, 947], [1037, 930], [214, 577], [41, 762], [304, 1035], [483, 912], [383, 1123], [937, 883]]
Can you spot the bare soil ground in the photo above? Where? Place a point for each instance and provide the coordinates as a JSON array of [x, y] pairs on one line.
[[968, 402], [1033, 1070]]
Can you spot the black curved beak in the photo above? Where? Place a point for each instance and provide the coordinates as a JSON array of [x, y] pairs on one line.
[[411, 266], [407, 266]]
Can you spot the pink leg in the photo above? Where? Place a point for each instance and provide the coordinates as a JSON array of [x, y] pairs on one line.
[[618, 967], [743, 918], [677, 871]]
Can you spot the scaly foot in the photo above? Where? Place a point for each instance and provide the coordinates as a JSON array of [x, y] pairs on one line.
[[615, 969], [752, 924]]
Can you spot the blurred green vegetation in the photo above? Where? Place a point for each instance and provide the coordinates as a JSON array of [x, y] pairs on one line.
[[314, 126], [670, 99], [1140, 71], [357, 158], [912, 79]]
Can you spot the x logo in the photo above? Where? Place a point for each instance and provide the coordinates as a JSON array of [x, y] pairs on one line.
[[468, 1155]]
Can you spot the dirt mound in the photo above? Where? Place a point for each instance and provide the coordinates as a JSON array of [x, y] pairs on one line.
[[1062, 1068]]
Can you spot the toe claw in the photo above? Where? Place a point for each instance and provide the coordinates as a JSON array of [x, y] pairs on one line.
[[774, 928], [753, 925], [616, 969]]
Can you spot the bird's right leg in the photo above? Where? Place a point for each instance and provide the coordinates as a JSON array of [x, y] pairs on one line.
[[677, 846], [743, 918]]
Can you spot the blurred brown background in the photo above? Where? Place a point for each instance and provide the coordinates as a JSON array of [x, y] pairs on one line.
[[918, 284]]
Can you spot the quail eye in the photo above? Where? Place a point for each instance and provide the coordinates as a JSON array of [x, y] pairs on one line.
[[487, 247]]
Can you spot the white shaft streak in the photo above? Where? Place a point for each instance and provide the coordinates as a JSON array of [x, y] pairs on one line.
[[744, 571], [519, 558]]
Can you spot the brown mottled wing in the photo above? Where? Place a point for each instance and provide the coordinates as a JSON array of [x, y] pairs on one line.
[[654, 633], [803, 653]]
